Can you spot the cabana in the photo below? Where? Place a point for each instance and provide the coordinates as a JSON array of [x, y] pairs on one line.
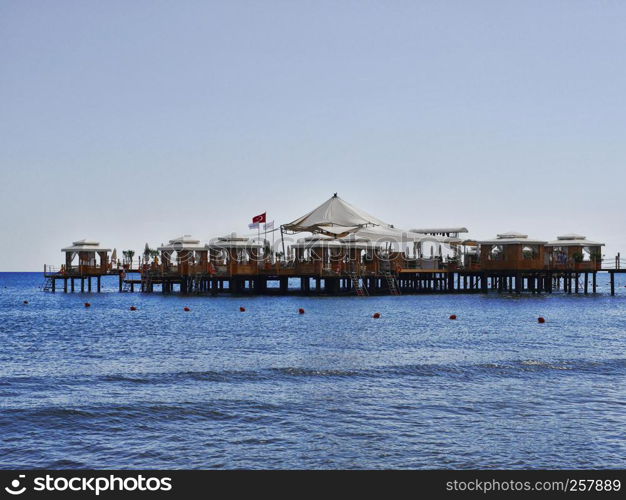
[[512, 252], [234, 254], [190, 256], [574, 252], [92, 259]]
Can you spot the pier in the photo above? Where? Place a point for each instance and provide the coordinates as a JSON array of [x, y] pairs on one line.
[[346, 252]]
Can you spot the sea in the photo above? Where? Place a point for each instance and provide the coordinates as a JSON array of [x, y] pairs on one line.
[[334, 388]]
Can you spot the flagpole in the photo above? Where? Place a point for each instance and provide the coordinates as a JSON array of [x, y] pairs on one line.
[[282, 239]]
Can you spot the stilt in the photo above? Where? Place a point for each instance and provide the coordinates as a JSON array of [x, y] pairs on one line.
[[612, 283], [484, 285]]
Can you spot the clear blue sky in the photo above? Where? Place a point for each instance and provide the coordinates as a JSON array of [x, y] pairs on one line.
[[134, 122]]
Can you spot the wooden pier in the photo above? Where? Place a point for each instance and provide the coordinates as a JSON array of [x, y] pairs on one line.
[[348, 253]]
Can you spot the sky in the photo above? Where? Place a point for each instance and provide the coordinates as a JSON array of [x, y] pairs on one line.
[[134, 122]]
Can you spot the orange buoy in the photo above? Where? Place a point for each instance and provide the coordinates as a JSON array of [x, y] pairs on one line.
[[301, 311], [376, 315], [25, 302], [87, 304], [133, 308], [242, 309], [541, 319], [453, 316], [186, 309]]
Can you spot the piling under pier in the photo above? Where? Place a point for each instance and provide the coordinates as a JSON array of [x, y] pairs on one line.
[[405, 282]]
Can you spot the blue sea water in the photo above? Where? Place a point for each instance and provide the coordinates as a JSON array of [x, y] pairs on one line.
[[106, 387]]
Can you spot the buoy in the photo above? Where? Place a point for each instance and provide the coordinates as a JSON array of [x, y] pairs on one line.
[[453, 316], [133, 308], [541, 319], [186, 309], [87, 304], [25, 302], [242, 309], [300, 311], [376, 315]]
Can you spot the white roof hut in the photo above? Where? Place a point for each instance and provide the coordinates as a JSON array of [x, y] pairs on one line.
[[87, 251]]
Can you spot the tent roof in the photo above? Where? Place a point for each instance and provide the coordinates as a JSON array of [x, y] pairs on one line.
[[332, 213]]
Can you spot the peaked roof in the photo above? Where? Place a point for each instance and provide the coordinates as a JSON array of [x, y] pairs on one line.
[[512, 238], [334, 216], [572, 240], [185, 242], [85, 245]]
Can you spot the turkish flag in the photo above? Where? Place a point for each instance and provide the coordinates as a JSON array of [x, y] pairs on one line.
[[257, 219]]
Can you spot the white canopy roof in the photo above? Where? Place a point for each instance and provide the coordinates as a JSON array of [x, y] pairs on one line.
[[317, 241], [182, 243], [512, 238], [233, 241], [85, 245], [572, 240], [334, 216], [383, 235]]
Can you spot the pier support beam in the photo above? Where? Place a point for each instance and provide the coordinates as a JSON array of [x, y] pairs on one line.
[[612, 283]]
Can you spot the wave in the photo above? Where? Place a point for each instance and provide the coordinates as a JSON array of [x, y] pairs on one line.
[[511, 368]]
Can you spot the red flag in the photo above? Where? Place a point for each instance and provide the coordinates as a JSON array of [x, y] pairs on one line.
[[257, 219]]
